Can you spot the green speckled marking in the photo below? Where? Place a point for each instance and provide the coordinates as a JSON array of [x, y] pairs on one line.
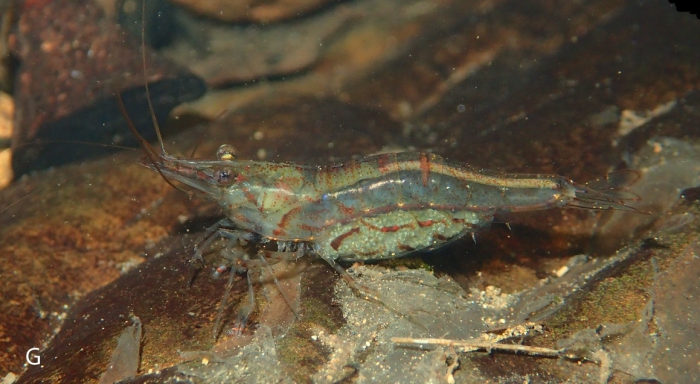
[[365, 239]]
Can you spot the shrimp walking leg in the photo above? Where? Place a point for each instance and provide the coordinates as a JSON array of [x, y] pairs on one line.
[[205, 240], [224, 298], [235, 255], [264, 255], [218, 230], [239, 262], [366, 292], [245, 311]]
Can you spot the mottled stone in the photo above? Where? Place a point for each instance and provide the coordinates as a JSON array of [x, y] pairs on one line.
[[238, 54]]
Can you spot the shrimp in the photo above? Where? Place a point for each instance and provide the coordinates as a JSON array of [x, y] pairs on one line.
[[381, 207]]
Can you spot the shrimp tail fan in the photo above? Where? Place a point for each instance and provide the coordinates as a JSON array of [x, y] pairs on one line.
[[608, 192]]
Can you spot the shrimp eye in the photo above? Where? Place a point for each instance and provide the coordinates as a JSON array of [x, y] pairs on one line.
[[224, 176]]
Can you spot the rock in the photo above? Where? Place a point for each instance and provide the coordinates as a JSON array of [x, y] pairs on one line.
[[253, 11]]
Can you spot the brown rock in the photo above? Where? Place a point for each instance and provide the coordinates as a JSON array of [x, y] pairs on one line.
[[74, 60], [253, 10], [240, 54]]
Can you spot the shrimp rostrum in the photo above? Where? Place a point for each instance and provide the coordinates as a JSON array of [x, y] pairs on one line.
[[380, 207]]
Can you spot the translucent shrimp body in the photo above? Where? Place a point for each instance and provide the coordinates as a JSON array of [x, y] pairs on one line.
[[376, 208]]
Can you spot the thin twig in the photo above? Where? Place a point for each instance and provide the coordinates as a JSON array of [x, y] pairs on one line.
[[472, 346]]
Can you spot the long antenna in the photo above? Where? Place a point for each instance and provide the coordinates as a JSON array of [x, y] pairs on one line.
[[150, 152], [145, 77]]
